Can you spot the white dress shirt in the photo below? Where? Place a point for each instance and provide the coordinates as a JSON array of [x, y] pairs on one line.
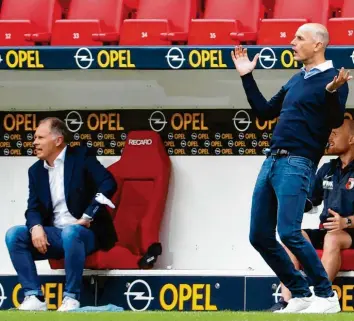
[[328, 64], [62, 216]]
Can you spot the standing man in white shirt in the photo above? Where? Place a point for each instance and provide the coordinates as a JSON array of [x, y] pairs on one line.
[[64, 218]]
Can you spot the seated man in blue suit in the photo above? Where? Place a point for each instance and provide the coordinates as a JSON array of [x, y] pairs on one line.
[[65, 216]]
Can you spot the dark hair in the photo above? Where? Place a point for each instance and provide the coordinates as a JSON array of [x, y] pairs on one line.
[[58, 127], [351, 126]]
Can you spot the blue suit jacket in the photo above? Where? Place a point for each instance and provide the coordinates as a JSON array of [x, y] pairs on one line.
[[84, 176]]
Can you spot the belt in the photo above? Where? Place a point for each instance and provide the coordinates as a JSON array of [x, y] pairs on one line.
[[277, 152]]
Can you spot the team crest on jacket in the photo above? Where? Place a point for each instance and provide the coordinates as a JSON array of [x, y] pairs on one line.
[[350, 183]]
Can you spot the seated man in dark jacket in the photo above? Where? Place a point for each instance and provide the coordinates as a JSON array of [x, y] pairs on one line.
[[65, 217], [334, 186]]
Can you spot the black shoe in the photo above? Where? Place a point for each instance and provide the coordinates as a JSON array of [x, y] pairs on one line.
[[280, 305], [40, 298]]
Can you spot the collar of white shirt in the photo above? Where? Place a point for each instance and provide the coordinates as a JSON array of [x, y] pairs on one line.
[[60, 158], [318, 69]]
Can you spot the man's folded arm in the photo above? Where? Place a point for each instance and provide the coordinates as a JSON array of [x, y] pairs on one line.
[[104, 181], [32, 214]]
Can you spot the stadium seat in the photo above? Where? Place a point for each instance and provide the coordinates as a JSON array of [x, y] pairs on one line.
[[341, 29], [25, 23], [142, 175], [90, 23], [227, 22], [159, 22], [288, 16]]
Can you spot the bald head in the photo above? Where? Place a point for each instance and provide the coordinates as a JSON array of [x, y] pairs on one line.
[[309, 44], [318, 32]]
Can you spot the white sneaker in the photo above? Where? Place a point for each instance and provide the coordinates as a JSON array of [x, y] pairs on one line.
[[69, 304], [31, 303], [297, 305], [324, 305]]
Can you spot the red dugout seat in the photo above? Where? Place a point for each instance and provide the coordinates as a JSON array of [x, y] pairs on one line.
[[159, 22], [347, 259], [288, 16], [341, 30], [90, 23], [142, 175], [227, 22], [25, 23]]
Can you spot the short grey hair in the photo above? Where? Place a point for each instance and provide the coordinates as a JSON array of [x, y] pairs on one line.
[[58, 128], [319, 32]]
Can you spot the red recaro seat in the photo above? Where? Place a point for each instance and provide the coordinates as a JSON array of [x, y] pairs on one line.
[[142, 175]]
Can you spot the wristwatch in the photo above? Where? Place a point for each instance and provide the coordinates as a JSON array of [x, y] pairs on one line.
[[349, 221], [87, 217], [34, 227]]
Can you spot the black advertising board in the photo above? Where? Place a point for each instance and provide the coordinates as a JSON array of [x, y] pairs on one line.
[[188, 132]]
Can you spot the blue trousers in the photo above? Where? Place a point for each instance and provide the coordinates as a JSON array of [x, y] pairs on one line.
[[279, 197], [73, 243]]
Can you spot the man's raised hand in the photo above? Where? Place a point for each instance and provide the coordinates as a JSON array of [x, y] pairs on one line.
[[242, 63], [339, 80]]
